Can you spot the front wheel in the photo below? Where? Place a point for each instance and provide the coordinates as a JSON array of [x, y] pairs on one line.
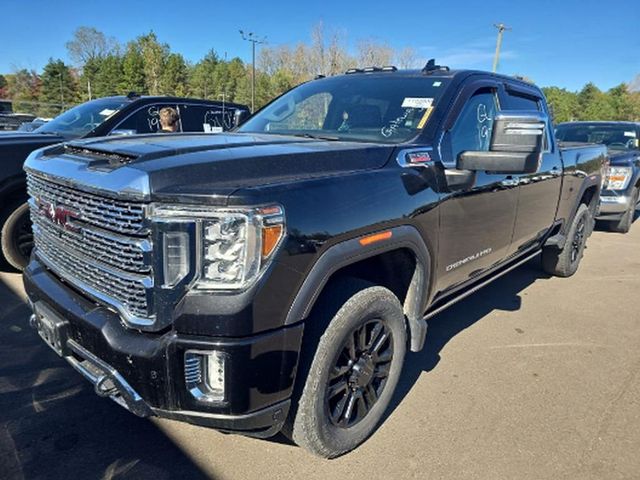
[[624, 224], [564, 262], [353, 374], [16, 236]]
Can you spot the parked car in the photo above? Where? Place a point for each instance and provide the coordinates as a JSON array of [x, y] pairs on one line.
[[10, 120], [273, 278], [121, 115], [32, 125], [620, 197]]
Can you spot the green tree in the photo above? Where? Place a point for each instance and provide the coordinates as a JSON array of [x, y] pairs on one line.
[[174, 76], [564, 103], [23, 87], [154, 55], [3, 86], [622, 103], [133, 77], [593, 104], [59, 88], [109, 77], [206, 76]]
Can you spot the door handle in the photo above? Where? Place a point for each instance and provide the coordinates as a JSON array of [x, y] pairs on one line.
[[510, 181]]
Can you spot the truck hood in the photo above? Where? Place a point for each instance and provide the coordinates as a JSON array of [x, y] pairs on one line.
[[207, 166], [621, 158], [11, 138]]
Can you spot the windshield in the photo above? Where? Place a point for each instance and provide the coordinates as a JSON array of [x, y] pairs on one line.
[[81, 119], [615, 136], [359, 107]]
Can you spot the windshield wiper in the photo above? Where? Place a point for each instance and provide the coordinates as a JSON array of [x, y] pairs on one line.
[[316, 137]]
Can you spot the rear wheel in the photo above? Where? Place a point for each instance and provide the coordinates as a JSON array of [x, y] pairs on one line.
[[564, 262], [624, 224], [353, 374], [16, 237]]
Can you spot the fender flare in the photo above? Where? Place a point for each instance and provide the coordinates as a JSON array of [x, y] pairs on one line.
[[558, 240], [351, 251]]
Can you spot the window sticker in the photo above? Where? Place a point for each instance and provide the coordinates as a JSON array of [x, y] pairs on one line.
[[437, 84], [417, 102], [630, 134], [425, 117], [107, 111]]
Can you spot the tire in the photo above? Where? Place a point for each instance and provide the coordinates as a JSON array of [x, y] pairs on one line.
[[624, 224], [353, 372], [16, 238], [564, 262]]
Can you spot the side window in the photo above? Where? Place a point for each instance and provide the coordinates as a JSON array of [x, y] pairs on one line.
[[514, 101], [472, 130], [145, 120], [206, 118]]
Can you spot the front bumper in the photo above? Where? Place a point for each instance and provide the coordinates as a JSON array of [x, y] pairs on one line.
[[145, 372], [613, 204]]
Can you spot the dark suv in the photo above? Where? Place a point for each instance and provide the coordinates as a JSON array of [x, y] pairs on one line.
[[122, 115]]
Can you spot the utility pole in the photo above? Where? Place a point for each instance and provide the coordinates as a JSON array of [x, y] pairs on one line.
[[501, 29], [255, 40], [61, 93]]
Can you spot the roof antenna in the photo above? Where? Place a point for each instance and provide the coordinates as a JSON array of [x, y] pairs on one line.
[[432, 67]]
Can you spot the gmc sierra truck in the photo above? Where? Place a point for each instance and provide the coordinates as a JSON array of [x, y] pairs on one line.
[[621, 194], [119, 115], [273, 278]]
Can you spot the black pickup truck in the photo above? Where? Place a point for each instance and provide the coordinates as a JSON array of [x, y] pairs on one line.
[[120, 115], [273, 278], [621, 194]]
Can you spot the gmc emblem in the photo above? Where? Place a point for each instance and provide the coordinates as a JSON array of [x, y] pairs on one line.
[[57, 215]]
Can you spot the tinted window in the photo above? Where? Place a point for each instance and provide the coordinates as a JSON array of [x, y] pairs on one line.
[[145, 120], [472, 130], [616, 136], [385, 108], [206, 118], [83, 118], [520, 102]]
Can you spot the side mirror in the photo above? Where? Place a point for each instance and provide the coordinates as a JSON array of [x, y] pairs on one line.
[[122, 131], [517, 141], [240, 117]]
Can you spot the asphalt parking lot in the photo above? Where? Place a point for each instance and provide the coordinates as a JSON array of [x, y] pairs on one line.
[[532, 377]]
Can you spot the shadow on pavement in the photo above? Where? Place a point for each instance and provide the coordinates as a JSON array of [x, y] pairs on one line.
[[503, 294], [52, 425]]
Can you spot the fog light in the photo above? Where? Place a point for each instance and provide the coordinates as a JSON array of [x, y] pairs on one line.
[[204, 374]]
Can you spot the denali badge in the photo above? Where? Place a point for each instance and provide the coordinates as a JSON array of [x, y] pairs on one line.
[[57, 215], [470, 258]]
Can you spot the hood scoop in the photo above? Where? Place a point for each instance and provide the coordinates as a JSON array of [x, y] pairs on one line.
[[99, 159]]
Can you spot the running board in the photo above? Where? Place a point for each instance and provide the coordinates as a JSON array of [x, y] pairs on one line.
[[480, 285]]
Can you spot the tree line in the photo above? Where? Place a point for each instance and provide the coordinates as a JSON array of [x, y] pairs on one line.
[[101, 67]]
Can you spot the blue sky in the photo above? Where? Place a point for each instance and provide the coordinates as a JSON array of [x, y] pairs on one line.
[[562, 42]]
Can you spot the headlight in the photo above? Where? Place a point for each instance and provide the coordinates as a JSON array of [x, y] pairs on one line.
[[233, 245], [618, 178]]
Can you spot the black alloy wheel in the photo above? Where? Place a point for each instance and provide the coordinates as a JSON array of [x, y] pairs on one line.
[[359, 373], [579, 238]]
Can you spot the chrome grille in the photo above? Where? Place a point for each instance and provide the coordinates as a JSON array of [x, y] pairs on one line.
[[90, 251], [102, 212]]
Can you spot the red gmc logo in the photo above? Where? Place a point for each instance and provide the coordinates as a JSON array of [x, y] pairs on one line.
[[57, 215]]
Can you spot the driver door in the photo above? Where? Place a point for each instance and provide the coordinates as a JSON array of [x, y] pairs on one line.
[[476, 219]]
